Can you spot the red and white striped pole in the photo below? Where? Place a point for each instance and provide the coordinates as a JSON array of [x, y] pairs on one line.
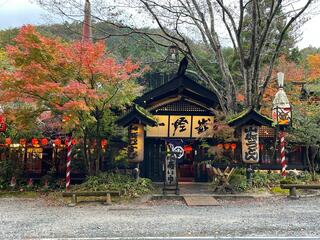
[[68, 170], [282, 154]]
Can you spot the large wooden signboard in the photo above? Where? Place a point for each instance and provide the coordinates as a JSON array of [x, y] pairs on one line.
[[200, 125], [136, 143], [162, 129], [250, 144], [181, 126]]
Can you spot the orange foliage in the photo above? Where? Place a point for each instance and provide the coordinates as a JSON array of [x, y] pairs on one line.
[[62, 76], [294, 77], [314, 66]]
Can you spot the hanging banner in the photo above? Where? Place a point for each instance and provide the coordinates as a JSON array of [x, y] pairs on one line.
[[162, 129], [250, 144], [136, 143]]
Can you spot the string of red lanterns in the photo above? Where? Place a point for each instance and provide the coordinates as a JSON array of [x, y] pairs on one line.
[[44, 141]]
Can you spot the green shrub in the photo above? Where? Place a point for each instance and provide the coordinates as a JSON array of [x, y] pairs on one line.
[[3, 183], [116, 182], [305, 176], [265, 179], [238, 181], [288, 181]]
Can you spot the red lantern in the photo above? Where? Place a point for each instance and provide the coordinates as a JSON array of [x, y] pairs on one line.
[[187, 148], [3, 125], [220, 145], [22, 142], [34, 141], [8, 141], [73, 142], [233, 146], [227, 146], [44, 141], [261, 146], [104, 143], [57, 142]]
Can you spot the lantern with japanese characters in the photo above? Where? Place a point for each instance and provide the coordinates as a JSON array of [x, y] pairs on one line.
[[136, 143], [281, 110], [250, 143]]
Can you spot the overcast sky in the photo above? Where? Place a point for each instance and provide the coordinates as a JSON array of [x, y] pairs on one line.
[[14, 13]]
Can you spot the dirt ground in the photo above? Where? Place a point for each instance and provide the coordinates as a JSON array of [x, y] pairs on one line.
[[43, 217]]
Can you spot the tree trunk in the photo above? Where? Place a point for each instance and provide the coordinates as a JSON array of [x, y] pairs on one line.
[[85, 153], [313, 153], [311, 167], [98, 145]]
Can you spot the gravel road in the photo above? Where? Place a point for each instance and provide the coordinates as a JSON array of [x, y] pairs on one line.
[[35, 218]]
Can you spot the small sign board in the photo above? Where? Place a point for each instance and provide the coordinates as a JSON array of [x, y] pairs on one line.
[[250, 144], [136, 143]]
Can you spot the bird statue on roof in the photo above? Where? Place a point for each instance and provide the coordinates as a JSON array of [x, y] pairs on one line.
[[183, 66]]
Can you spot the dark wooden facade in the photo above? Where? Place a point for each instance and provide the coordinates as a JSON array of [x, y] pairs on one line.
[[182, 96]]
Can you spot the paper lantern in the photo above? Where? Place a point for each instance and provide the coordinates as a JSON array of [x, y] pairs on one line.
[[44, 141], [73, 142], [104, 142], [227, 146], [34, 141], [233, 146], [3, 125], [187, 148], [22, 142], [57, 141], [261, 146], [8, 141]]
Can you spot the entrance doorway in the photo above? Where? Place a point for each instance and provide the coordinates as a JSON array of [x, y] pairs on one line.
[[186, 164]]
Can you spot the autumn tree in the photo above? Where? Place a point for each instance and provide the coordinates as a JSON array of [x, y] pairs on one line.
[[253, 28], [78, 82]]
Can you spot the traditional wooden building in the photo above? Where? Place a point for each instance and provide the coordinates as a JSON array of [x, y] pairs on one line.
[[179, 113]]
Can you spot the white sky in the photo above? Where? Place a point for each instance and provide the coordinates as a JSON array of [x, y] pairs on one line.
[[14, 13]]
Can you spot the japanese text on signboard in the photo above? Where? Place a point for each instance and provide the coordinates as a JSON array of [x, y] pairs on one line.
[[136, 143], [180, 126], [170, 165], [250, 144]]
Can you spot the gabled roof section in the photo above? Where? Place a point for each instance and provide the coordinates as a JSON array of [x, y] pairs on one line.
[[249, 117], [137, 115], [180, 85]]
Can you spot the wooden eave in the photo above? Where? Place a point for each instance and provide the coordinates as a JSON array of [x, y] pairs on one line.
[[179, 86], [251, 117], [136, 116]]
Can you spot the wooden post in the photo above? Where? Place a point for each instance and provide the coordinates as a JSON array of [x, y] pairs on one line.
[[282, 154], [293, 193], [108, 199], [68, 170], [73, 200]]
